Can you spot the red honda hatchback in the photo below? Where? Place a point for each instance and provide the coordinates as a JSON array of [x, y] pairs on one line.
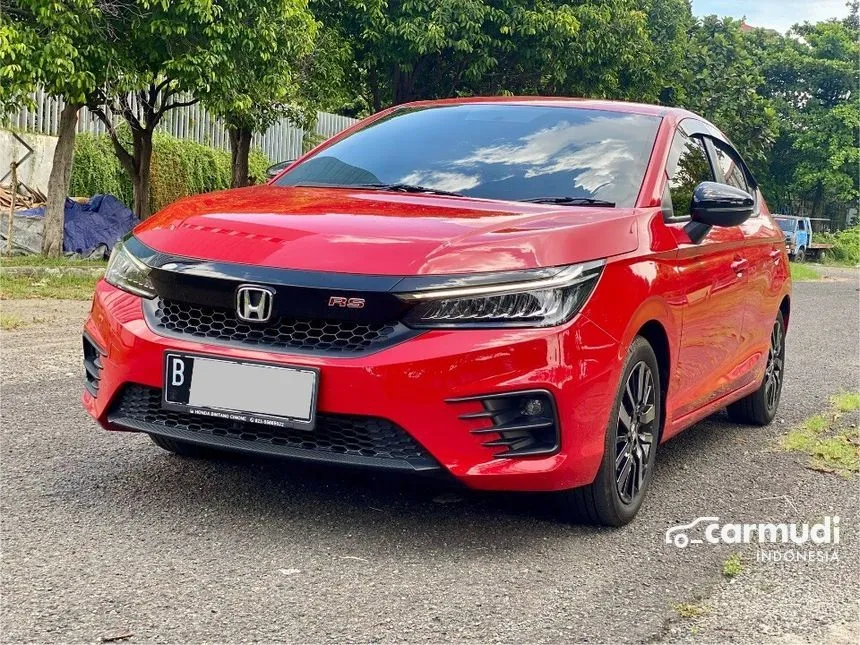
[[527, 294]]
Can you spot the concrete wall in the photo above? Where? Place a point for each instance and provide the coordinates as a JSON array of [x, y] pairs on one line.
[[35, 171]]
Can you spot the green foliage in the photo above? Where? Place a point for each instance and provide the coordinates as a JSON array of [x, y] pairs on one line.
[[721, 86], [810, 78], [273, 40], [416, 49], [846, 245], [95, 169], [60, 46], [179, 168]]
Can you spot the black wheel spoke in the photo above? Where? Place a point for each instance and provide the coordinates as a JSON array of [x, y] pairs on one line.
[[635, 432], [773, 371]]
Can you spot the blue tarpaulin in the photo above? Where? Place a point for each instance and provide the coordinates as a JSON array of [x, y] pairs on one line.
[[102, 221]]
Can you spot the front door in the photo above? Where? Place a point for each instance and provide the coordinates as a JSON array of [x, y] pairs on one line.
[[713, 275]]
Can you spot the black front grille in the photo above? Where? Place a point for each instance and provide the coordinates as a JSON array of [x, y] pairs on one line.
[[286, 334], [356, 440]]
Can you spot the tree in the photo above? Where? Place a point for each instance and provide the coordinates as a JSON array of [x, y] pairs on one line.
[[174, 54], [64, 48], [810, 79], [414, 49], [722, 85], [269, 60]]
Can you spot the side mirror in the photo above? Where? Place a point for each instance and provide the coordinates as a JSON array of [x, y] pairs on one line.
[[716, 204], [275, 169]]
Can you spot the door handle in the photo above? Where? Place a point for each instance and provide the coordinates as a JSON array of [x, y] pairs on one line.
[[739, 265], [775, 255]]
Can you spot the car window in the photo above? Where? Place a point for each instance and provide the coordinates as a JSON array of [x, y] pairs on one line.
[[786, 224], [801, 225], [688, 166], [495, 151], [733, 172]]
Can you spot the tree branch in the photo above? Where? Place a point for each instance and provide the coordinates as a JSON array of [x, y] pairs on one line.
[[173, 106], [125, 158]]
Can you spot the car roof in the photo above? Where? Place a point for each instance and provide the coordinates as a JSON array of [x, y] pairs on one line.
[[555, 101]]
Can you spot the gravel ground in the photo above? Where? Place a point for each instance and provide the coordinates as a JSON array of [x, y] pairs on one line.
[[104, 535]]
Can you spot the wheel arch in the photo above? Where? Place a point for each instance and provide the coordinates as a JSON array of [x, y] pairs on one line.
[[655, 333], [785, 308]]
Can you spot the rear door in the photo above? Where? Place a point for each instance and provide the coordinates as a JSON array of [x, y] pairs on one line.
[[713, 278]]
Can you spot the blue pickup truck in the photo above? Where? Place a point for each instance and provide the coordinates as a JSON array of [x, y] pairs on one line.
[[798, 238]]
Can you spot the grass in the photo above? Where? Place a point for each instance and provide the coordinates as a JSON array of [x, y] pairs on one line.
[[10, 322], [42, 261], [733, 566], [803, 272], [59, 285], [689, 609], [846, 401], [831, 448]]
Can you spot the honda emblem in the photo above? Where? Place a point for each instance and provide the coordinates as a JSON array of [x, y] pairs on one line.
[[253, 303]]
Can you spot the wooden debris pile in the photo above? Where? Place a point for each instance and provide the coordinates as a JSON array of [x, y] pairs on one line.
[[26, 198]]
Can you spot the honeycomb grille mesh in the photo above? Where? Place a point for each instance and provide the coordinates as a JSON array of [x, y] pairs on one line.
[[359, 436], [222, 324]]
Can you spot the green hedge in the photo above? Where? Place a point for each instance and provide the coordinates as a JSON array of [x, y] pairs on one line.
[[179, 168]]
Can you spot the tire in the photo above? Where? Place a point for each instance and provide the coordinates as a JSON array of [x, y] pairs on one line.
[[760, 407], [606, 501], [181, 448], [800, 255]]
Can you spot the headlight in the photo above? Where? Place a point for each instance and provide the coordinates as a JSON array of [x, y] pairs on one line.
[[541, 302], [126, 272]]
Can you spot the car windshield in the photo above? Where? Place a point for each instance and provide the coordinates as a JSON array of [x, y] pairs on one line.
[[786, 224], [495, 151]]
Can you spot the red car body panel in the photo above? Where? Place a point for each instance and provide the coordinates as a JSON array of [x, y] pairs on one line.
[[715, 317], [337, 230]]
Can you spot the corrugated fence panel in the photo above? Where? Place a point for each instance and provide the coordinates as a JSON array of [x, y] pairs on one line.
[[280, 142]]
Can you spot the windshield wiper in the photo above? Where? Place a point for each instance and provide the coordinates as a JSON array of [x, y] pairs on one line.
[[570, 201], [408, 188]]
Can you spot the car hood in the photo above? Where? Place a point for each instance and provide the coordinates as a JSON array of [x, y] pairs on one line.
[[384, 233]]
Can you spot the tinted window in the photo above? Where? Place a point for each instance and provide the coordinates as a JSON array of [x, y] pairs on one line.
[[733, 172], [509, 152], [688, 166]]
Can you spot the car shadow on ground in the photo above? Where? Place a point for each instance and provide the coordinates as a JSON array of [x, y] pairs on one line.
[[282, 493]]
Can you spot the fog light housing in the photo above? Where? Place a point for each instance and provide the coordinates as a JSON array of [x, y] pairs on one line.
[[525, 424]]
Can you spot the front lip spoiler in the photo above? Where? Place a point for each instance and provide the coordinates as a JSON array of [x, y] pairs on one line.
[[269, 450]]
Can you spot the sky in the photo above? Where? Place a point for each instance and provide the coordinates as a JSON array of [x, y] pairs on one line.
[[773, 14]]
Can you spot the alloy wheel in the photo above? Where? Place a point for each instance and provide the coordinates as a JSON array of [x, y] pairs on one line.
[[773, 372], [635, 432]]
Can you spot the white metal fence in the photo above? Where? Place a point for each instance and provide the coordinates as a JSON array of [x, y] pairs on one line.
[[281, 142]]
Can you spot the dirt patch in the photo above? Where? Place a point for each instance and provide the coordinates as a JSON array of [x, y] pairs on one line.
[[46, 343]]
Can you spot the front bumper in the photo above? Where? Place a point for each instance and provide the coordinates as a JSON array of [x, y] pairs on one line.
[[423, 385]]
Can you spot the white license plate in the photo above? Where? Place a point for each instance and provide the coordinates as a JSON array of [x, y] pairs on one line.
[[243, 391]]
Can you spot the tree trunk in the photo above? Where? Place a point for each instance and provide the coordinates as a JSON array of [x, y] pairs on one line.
[[58, 183], [142, 140], [373, 81], [404, 85], [240, 146]]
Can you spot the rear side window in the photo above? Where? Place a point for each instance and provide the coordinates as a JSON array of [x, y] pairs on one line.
[[688, 166], [731, 167]]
